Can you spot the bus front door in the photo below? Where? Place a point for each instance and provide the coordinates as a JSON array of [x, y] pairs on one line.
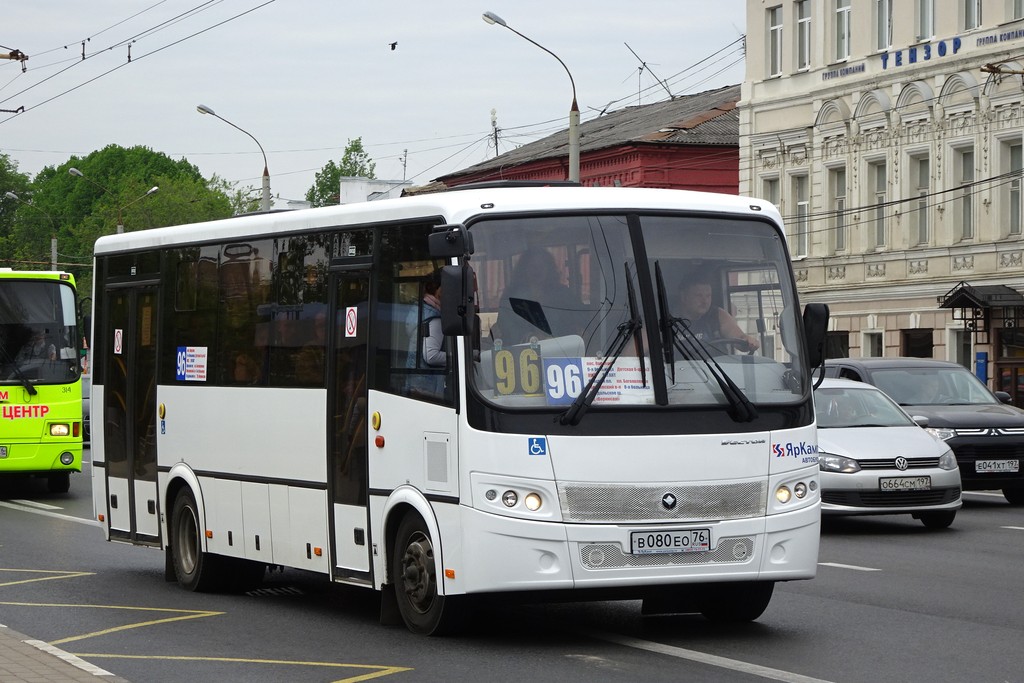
[[347, 423], [129, 413]]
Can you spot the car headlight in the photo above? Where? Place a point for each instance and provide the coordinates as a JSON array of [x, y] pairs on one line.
[[827, 462], [944, 433], [947, 461]]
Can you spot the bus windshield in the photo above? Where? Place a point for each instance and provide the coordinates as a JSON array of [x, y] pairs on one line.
[[38, 332], [558, 296]]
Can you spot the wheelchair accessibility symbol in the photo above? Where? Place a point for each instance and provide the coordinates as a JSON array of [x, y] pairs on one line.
[[538, 446]]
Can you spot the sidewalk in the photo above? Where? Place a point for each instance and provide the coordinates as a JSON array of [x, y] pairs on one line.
[[24, 660]]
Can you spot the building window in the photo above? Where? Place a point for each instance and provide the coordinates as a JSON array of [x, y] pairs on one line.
[[1018, 9], [960, 350], [872, 345], [842, 30], [775, 41], [964, 172], [1015, 160], [838, 185], [926, 19], [883, 24], [916, 344], [803, 34], [919, 180], [801, 200], [972, 14], [770, 190], [877, 185]]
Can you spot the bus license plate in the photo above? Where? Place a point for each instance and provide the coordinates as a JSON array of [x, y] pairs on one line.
[[670, 541], [905, 483], [3, 451], [997, 466]]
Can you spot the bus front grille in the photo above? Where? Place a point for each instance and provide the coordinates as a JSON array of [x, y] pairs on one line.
[[662, 502]]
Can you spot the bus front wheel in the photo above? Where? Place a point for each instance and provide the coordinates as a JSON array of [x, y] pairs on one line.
[[737, 602], [194, 569], [413, 572], [58, 482]]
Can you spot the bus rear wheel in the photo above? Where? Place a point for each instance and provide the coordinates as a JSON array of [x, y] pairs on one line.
[[194, 569], [413, 572]]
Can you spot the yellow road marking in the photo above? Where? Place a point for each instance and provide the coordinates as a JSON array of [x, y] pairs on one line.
[[57, 575], [377, 671], [186, 614]]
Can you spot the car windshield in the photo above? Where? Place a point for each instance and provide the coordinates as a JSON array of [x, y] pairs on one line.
[[932, 386], [857, 407]]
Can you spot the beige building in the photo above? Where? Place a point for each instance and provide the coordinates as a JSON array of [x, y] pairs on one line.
[[895, 155]]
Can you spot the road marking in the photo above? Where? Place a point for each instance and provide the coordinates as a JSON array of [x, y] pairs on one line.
[[36, 504], [47, 513], [705, 658], [376, 671], [56, 574], [848, 566], [69, 658], [990, 494], [1015, 528]]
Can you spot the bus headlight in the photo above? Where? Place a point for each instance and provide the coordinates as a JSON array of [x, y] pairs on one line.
[[532, 501], [60, 429], [783, 494], [510, 498], [67, 458], [800, 490]]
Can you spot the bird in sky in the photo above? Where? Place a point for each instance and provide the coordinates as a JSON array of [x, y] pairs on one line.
[[393, 45]]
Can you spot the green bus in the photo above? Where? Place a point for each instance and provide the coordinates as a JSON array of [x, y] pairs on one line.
[[40, 377]]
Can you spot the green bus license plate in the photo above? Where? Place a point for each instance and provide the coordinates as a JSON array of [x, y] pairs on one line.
[[669, 541], [905, 484], [3, 451]]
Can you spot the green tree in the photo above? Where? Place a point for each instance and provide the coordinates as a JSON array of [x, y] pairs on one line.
[[355, 162], [14, 210], [113, 186]]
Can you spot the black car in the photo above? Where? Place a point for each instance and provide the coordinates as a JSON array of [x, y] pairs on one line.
[[986, 434]]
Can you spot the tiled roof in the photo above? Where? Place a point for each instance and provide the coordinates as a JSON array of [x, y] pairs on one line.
[[707, 118]]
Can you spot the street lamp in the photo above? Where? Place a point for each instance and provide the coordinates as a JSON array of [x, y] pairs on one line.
[[53, 225], [120, 223], [265, 202], [574, 110]]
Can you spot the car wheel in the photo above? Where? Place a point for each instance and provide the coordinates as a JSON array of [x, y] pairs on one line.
[[938, 520], [413, 572], [1014, 496]]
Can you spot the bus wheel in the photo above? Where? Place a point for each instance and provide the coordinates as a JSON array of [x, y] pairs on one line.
[[413, 573], [194, 569], [737, 602], [58, 482]]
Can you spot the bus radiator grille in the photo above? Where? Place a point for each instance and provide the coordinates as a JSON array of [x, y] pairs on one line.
[[610, 556], [662, 502]]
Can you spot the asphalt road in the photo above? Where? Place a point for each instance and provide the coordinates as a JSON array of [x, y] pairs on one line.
[[893, 601]]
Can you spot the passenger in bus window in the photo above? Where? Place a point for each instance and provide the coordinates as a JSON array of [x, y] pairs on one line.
[[309, 365], [706, 321], [247, 370], [535, 304], [37, 348], [429, 351]]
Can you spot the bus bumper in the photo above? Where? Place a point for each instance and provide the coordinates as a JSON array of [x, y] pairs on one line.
[[500, 554]]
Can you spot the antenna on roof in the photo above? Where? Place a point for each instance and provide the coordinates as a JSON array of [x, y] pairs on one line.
[[643, 65]]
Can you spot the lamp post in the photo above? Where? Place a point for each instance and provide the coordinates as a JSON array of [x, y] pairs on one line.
[[53, 226], [265, 202], [574, 110], [120, 223]]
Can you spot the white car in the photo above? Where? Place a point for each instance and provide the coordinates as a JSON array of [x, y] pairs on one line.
[[876, 460]]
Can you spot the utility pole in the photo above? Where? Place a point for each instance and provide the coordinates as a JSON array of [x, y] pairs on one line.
[[494, 125]]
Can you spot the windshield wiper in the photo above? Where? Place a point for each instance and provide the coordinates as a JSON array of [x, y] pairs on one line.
[[18, 374], [579, 406], [677, 335]]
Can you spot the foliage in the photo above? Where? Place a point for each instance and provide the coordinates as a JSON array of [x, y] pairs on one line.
[[355, 162], [13, 210]]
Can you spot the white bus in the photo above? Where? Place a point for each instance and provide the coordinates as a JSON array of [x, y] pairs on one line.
[[261, 399]]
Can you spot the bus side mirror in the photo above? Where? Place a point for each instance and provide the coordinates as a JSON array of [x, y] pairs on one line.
[[815, 329], [450, 240], [458, 301]]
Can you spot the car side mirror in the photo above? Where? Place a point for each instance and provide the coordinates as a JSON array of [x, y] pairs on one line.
[[1003, 396], [920, 420]]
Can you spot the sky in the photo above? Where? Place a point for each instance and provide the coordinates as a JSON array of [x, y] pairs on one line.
[[304, 77]]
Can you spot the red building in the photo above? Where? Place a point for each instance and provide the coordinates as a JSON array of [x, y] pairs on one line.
[[690, 142]]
